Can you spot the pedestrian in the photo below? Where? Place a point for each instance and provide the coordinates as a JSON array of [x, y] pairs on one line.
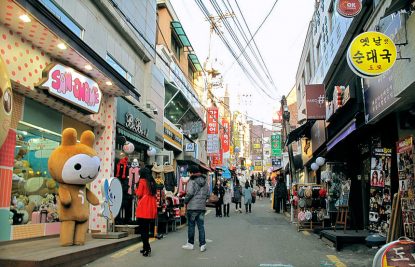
[[267, 187], [247, 197], [281, 195], [196, 196], [227, 198], [146, 211], [219, 192], [237, 196]]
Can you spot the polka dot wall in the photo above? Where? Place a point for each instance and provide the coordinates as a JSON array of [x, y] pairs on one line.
[[105, 146]]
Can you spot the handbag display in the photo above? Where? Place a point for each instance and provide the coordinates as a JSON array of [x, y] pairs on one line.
[[213, 198]]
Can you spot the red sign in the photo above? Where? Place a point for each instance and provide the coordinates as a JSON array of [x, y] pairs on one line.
[[349, 8], [225, 135], [72, 86], [315, 101], [278, 119], [212, 120], [217, 160]]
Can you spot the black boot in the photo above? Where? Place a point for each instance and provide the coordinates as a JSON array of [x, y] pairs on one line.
[[147, 253]]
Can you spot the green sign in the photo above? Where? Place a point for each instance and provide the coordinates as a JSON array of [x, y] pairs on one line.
[[276, 150]]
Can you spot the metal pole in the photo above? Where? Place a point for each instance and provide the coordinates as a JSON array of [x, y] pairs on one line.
[[286, 127]]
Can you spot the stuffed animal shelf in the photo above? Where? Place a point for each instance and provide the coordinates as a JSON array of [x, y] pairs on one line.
[[73, 165]]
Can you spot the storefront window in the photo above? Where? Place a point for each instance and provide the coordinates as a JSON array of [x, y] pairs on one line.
[[34, 191]]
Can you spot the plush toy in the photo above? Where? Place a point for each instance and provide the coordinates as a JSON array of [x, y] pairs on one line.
[[73, 165], [51, 185], [6, 102], [21, 209], [20, 154]]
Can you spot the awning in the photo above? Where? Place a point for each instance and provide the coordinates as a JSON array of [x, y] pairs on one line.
[[192, 160], [350, 127], [134, 137], [195, 61], [179, 31], [296, 134], [397, 5]]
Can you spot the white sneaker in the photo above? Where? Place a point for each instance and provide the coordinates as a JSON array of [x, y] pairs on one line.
[[202, 248], [188, 246]]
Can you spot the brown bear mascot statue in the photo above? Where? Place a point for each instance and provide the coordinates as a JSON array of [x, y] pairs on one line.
[[73, 165]]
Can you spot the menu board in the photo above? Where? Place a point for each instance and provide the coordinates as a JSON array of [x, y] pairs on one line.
[[380, 206], [405, 154]]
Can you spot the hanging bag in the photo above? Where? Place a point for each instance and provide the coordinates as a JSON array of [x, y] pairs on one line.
[[213, 198]]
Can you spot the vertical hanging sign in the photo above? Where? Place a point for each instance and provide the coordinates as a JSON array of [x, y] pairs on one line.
[[225, 138], [276, 145], [212, 130]]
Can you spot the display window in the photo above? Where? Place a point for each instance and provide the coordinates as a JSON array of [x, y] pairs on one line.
[[33, 191]]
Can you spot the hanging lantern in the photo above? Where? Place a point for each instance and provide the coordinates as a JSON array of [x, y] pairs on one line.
[[151, 152], [128, 147], [320, 161], [314, 166]]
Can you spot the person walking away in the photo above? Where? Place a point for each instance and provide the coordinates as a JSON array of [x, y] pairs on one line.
[[247, 197], [267, 186], [227, 198], [237, 196], [146, 211], [219, 192], [281, 192], [196, 196]]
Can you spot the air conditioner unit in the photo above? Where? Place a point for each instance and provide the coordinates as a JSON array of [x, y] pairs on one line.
[[167, 53]]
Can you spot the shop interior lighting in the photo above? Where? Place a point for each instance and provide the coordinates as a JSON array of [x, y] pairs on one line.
[[88, 67], [25, 18], [62, 46], [108, 83]]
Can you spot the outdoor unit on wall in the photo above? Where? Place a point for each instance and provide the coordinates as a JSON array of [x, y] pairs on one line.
[[164, 156], [167, 53]]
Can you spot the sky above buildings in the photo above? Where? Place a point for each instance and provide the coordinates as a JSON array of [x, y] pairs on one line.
[[280, 41]]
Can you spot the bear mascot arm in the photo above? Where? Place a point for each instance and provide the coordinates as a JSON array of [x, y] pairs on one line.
[[64, 196]]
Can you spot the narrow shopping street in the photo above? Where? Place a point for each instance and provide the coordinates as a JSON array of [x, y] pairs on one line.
[[262, 238]]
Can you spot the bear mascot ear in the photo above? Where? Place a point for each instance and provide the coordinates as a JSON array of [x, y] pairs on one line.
[[69, 137], [88, 138]]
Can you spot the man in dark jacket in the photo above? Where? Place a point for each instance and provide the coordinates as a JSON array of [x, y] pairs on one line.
[[196, 196], [280, 195]]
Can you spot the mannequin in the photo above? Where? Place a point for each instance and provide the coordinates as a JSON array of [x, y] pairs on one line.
[[133, 176], [122, 166], [170, 182]]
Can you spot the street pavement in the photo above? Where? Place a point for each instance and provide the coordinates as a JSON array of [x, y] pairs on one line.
[[261, 238]]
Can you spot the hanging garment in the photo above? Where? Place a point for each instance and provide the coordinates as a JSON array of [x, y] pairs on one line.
[[122, 166], [133, 178], [169, 178]]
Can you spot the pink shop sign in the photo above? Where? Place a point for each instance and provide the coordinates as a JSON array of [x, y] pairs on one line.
[[73, 87]]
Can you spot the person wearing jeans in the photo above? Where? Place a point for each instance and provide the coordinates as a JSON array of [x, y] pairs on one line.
[[196, 196]]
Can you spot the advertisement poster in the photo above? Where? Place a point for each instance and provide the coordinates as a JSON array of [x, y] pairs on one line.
[[380, 205], [212, 130], [405, 158]]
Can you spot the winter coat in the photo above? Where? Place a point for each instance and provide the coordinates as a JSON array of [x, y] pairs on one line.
[[227, 198], [237, 193], [220, 192], [281, 190], [197, 192], [247, 195], [146, 204]]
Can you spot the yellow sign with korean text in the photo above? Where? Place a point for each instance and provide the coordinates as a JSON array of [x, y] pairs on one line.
[[371, 54]]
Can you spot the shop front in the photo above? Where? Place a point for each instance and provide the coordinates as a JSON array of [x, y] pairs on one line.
[[51, 90], [134, 141]]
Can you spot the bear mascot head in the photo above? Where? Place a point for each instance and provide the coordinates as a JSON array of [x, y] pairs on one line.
[[73, 165]]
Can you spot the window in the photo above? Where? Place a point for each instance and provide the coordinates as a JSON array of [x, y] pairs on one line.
[[191, 73], [318, 52], [175, 47], [330, 18], [64, 17], [120, 69]]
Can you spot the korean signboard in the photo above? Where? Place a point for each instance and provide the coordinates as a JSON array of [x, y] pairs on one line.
[[225, 136], [315, 101], [212, 130], [258, 165], [379, 92], [217, 160], [349, 8], [172, 135], [371, 54], [72, 86], [276, 150]]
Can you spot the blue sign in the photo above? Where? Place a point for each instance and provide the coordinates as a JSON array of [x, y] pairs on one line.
[[226, 173]]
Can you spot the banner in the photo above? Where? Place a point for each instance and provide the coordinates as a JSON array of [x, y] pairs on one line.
[[212, 130], [276, 150], [225, 135]]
